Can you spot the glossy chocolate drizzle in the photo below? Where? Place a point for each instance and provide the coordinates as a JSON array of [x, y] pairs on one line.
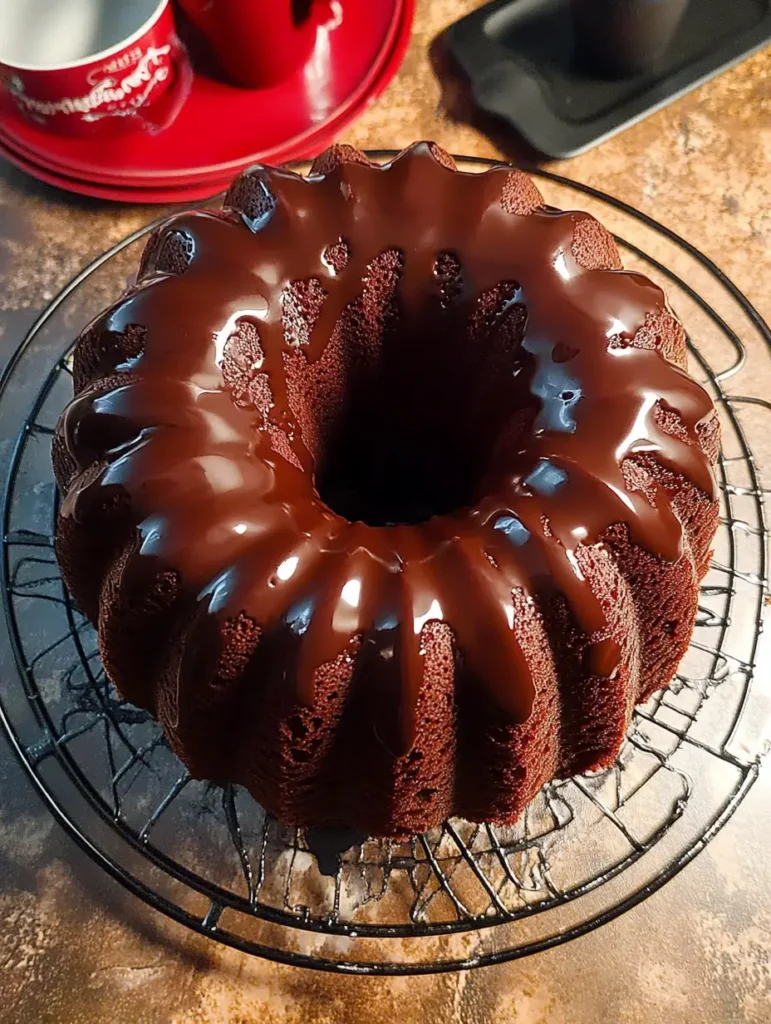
[[246, 527]]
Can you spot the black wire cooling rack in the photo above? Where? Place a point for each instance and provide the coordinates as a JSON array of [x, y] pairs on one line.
[[463, 895]]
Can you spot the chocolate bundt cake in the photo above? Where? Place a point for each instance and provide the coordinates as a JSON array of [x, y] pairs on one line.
[[387, 491]]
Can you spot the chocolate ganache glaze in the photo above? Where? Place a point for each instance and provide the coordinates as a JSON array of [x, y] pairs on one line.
[[379, 397]]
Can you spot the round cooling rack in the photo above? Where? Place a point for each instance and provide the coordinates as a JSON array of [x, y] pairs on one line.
[[464, 895]]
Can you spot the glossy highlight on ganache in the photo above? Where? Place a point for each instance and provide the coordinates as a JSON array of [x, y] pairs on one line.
[[237, 513]]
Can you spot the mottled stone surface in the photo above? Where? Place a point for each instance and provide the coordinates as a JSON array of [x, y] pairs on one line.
[[75, 948]]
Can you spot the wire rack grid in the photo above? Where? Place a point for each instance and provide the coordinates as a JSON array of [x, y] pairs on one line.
[[464, 895]]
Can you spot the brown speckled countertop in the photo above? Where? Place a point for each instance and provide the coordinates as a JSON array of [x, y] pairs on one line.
[[75, 949]]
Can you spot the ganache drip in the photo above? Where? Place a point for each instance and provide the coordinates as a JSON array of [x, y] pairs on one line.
[[226, 452]]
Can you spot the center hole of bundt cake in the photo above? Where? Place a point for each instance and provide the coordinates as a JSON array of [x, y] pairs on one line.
[[379, 471], [416, 410]]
